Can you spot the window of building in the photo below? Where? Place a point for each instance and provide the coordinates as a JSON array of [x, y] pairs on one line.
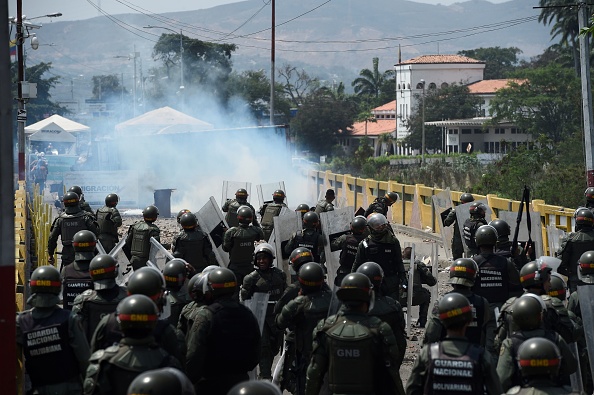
[[452, 131], [478, 131], [466, 131], [408, 86], [419, 85], [499, 131], [514, 130], [496, 150], [486, 146], [432, 85], [399, 86]]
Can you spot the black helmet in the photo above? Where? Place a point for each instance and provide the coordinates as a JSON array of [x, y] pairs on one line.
[[188, 221], [137, 316], [150, 213], [278, 196], [558, 286], [355, 289], [584, 217], [454, 310], [527, 311], [391, 197], [589, 194], [164, 381], [46, 279], [84, 243], [255, 388], [302, 208], [112, 200], [299, 257], [466, 198], [310, 220], [359, 224], [377, 222], [147, 281], [241, 193], [477, 210], [221, 282], [374, 272], [182, 212], [263, 248], [538, 356], [534, 274], [463, 272], [586, 265], [245, 215], [175, 273], [103, 270], [311, 277], [486, 235], [70, 199], [502, 228], [197, 284], [76, 189]]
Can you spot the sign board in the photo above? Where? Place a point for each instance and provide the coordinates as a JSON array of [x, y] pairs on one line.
[[98, 184], [334, 224], [442, 202], [212, 221], [21, 115]]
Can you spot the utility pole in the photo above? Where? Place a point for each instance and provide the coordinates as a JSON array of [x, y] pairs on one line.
[[21, 110], [272, 68], [423, 125]]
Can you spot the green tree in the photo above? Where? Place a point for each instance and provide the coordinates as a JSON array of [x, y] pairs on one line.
[[372, 82], [108, 88], [499, 62], [564, 20], [297, 84], [546, 102]]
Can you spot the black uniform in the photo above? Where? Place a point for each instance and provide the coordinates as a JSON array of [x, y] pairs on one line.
[[76, 279], [379, 205], [470, 227], [497, 278], [457, 246], [194, 246], [66, 225], [138, 241], [571, 249], [109, 220], [348, 245], [92, 305], [308, 238]]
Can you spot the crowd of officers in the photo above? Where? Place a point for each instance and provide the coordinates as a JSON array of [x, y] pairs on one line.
[[504, 326]]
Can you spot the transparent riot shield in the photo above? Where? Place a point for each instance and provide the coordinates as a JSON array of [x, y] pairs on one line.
[[258, 305], [284, 226], [550, 261], [536, 233], [99, 247], [463, 213], [334, 224], [586, 300], [265, 191], [230, 187], [158, 254], [554, 236], [212, 221], [427, 253], [415, 217], [577, 385], [442, 205], [125, 269]]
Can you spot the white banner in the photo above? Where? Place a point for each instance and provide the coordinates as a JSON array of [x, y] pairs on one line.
[[98, 184]]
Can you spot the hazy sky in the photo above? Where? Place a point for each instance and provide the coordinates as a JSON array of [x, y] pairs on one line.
[[84, 9]]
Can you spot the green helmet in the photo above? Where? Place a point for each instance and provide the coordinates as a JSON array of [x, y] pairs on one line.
[[70, 199], [454, 310], [245, 215], [310, 220], [374, 272], [241, 194], [197, 285], [46, 279], [586, 267], [538, 356], [147, 281], [502, 228], [355, 289], [175, 273], [84, 243], [103, 270], [589, 194], [584, 217], [558, 286], [150, 213], [466, 198], [182, 212], [278, 196], [311, 277], [255, 388], [264, 248], [137, 316], [359, 224], [486, 235], [164, 381], [302, 208], [221, 282], [534, 274], [299, 257], [477, 210], [463, 272], [188, 221], [391, 197], [527, 311], [112, 200], [377, 222]]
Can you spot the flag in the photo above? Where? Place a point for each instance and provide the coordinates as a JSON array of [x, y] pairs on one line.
[[13, 49]]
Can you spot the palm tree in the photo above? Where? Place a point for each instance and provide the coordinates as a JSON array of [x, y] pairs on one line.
[[564, 20], [369, 82]]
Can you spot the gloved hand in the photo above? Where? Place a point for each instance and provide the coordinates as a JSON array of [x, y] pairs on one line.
[[405, 283], [51, 259]]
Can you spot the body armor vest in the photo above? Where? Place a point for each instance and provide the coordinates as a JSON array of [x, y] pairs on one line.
[[454, 375], [469, 229], [190, 246], [71, 225], [492, 280], [308, 238], [106, 226], [474, 331], [580, 242], [272, 210], [517, 338], [349, 251], [97, 307], [231, 216], [75, 282], [49, 358], [269, 281], [387, 310], [382, 254], [141, 244], [315, 309], [113, 334], [230, 332], [243, 245]]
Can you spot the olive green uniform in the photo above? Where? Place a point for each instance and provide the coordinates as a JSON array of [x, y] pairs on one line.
[[109, 220], [324, 206], [91, 305], [571, 249], [138, 241], [267, 213], [66, 225], [231, 206], [540, 387], [239, 243], [390, 311]]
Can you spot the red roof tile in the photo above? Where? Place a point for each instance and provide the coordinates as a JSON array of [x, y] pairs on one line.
[[432, 59], [490, 86], [391, 106], [381, 126]]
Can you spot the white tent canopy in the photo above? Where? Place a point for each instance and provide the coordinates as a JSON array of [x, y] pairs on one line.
[[56, 124], [54, 136], [163, 120]]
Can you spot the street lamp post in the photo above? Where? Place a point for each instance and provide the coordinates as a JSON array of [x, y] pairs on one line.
[[131, 56], [423, 123]]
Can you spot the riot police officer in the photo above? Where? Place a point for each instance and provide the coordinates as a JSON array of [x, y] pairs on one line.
[[270, 210], [109, 220], [381, 204], [103, 299], [112, 370], [53, 342], [325, 204], [575, 244], [309, 237], [66, 225], [231, 206], [164, 381], [589, 195], [138, 240], [239, 243], [180, 213], [189, 311], [451, 219], [453, 365], [348, 244], [385, 308], [192, 244], [477, 219], [81, 202], [421, 296], [303, 314], [357, 350], [272, 281], [175, 273], [221, 329], [302, 208], [76, 277], [504, 246], [382, 247]]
